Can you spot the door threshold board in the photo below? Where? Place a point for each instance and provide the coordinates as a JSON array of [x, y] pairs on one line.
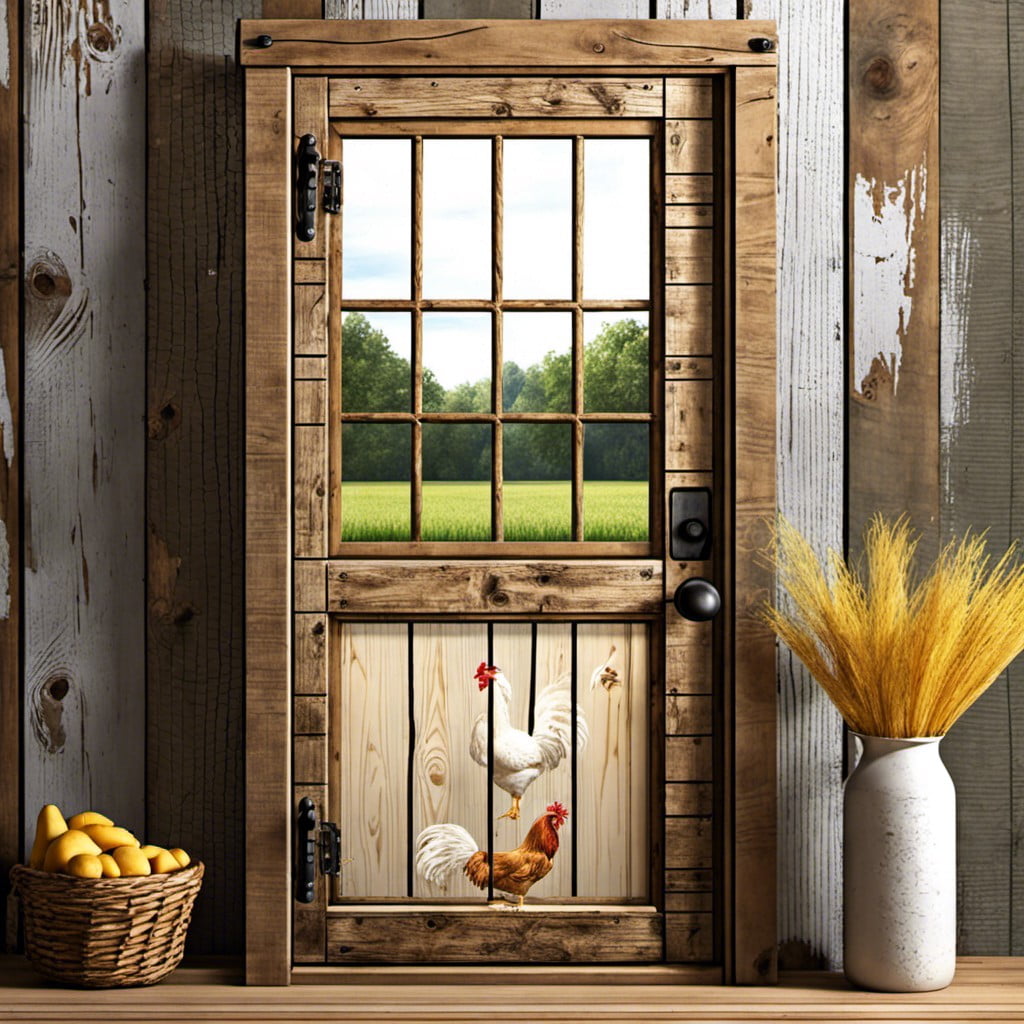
[[540, 974]]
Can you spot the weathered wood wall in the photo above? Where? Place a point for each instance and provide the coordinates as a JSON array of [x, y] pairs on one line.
[[84, 79], [84, 715], [982, 204]]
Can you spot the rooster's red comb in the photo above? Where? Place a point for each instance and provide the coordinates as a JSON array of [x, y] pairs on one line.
[[559, 811], [484, 674]]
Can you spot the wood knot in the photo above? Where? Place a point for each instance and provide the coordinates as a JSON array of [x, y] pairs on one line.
[[369, 110], [598, 47], [543, 579], [58, 688], [47, 280], [101, 40], [499, 598], [881, 77], [164, 421], [318, 629], [502, 110], [646, 574]]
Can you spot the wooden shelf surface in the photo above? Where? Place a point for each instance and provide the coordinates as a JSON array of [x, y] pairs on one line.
[[985, 989]]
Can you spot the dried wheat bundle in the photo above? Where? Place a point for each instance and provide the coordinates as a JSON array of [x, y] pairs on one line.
[[899, 657]]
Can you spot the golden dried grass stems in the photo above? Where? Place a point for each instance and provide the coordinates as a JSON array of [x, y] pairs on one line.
[[896, 656]]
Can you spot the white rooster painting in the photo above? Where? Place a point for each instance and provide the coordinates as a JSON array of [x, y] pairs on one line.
[[520, 757]]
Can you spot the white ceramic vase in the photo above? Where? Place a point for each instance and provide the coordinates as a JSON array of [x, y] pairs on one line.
[[899, 867]]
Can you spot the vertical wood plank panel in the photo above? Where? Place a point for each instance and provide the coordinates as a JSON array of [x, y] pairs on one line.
[[195, 782], [10, 465], [268, 623], [810, 461], [981, 272], [448, 786], [894, 248], [84, 718], [704, 9], [594, 8], [554, 661], [373, 740]]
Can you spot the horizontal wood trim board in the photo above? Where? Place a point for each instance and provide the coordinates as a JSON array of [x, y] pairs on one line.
[[540, 43], [689, 798], [496, 97], [535, 934], [688, 188], [505, 126], [605, 587]]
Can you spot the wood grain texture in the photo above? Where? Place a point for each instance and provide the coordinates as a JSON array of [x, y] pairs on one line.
[[893, 339], [688, 425], [370, 9], [268, 501], [580, 587], [688, 320], [604, 43], [84, 372], [723, 9], [310, 491], [593, 9], [496, 97], [477, 8], [809, 468], [194, 477], [751, 783], [688, 97], [982, 303], [689, 937], [689, 147], [373, 744], [688, 255], [535, 935], [10, 465], [448, 786], [312, 637]]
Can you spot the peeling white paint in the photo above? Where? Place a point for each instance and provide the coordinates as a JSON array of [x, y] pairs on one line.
[[959, 250], [884, 265], [5, 48], [6, 416]]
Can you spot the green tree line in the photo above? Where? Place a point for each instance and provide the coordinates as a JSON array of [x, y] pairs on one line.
[[375, 378]]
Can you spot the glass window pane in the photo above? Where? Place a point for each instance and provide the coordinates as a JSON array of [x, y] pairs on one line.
[[456, 481], [457, 362], [457, 218], [616, 362], [537, 192], [376, 223], [616, 219], [537, 492], [537, 372], [375, 497], [376, 362], [615, 471]]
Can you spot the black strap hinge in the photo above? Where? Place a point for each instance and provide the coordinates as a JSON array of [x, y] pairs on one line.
[[317, 844], [330, 172], [310, 170]]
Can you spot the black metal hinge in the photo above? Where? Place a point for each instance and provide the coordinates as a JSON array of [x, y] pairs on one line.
[[310, 169], [317, 844]]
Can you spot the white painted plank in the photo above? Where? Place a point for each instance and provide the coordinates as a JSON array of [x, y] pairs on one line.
[[810, 453], [594, 9], [84, 408], [697, 9], [371, 9]]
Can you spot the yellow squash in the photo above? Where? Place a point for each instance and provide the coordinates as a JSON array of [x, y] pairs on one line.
[[85, 865], [109, 865], [49, 825], [66, 846], [163, 862], [131, 860], [107, 837], [180, 856], [88, 818]]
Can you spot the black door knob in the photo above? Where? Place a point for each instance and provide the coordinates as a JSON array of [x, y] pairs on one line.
[[697, 599]]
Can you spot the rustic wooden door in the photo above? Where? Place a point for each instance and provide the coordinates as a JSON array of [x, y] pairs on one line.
[[512, 342]]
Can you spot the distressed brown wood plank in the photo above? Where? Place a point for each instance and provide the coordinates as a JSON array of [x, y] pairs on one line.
[[579, 587], [690, 798], [689, 368], [310, 593], [496, 97], [688, 257], [694, 216], [310, 319], [688, 843], [310, 368], [537, 935], [696, 880], [292, 9], [688, 320], [688, 715], [751, 748], [308, 919], [310, 715], [688, 188], [688, 425], [541, 43], [267, 465], [893, 338], [687, 654], [310, 760], [689, 937], [310, 492], [310, 402], [309, 117], [309, 271], [688, 759], [688, 97], [689, 147], [195, 265], [477, 8], [311, 640], [82, 288], [10, 465]]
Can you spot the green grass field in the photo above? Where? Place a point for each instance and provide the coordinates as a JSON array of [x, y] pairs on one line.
[[534, 510]]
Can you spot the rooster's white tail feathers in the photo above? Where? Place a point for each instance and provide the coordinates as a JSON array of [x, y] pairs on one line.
[[553, 724], [441, 850]]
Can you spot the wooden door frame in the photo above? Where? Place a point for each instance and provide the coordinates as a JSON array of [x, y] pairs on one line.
[[747, 483]]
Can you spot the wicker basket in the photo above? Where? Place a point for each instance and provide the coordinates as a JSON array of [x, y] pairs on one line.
[[106, 932]]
